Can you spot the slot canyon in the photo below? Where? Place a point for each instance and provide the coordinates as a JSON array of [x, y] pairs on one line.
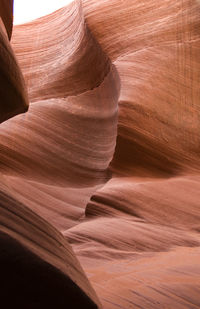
[[100, 156]]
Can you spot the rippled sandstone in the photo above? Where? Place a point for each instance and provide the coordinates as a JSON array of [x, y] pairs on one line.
[[100, 179]]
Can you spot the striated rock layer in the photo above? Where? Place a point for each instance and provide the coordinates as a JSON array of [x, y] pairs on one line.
[[13, 93], [80, 181]]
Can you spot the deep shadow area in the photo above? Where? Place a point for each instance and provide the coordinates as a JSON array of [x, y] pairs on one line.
[[28, 282]]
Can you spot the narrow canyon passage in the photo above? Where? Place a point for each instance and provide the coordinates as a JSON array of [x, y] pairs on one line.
[[100, 179]]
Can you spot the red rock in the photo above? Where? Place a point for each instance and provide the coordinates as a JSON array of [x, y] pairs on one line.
[[13, 93], [123, 201]]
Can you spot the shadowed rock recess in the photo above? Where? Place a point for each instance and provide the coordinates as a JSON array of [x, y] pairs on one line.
[[100, 178]]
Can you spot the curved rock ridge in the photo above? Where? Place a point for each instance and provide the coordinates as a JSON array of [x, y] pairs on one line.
[[72, 171], [62, 130], [35, 282], [158, 64], [32, 247], [69, 64], [168, 138], [120, 189], [12, 92], [129, 224]]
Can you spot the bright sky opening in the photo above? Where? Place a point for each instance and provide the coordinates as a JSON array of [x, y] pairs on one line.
[[27, 10]]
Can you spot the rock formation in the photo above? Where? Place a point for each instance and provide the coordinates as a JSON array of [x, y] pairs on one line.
[[100, 179]]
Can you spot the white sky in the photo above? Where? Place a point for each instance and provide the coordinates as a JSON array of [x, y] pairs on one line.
[[27, 10]]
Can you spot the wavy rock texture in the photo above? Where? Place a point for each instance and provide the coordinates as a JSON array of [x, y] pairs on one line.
[[13, 93], [80, 181]]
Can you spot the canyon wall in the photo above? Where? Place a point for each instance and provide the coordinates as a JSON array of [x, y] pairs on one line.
[[100, 178]]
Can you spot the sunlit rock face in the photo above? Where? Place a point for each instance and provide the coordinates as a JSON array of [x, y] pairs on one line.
[[100, 180]]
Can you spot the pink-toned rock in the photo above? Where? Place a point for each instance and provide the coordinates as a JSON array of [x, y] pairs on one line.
[[13, 93], [123, 201]]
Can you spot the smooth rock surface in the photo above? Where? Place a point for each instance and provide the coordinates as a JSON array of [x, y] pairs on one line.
[[13, 93], [106, 160]]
